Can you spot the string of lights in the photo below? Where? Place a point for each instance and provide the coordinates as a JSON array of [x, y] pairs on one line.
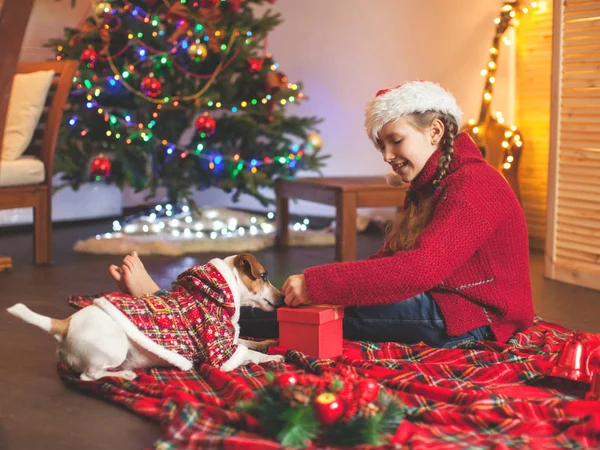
[[511, 136]]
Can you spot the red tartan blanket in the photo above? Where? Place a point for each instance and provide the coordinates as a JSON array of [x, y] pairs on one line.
[[485, 395]]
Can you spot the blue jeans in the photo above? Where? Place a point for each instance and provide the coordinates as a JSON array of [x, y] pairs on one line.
[[410, 321]]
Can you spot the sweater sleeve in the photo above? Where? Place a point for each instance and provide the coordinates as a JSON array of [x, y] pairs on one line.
[[457, 229], [383, 251]]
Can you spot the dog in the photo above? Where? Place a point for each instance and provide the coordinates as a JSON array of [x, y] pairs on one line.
[[101, 340]]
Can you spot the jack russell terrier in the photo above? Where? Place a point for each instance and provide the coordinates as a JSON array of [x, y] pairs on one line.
[[196, 322]]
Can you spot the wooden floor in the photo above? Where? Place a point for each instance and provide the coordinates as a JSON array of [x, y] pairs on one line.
[[37, 411]]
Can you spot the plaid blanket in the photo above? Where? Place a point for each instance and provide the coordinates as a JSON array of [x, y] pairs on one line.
[[483, 395]]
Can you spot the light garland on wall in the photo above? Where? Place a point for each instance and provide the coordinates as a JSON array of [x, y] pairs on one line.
[[512, 137]]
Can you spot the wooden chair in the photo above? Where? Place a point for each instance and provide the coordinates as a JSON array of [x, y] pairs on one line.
[[42, 146], [13, 22]]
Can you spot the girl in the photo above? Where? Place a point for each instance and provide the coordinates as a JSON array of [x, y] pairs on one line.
[[455, 263]]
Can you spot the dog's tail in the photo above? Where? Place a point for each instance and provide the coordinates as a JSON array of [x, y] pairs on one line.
[[57, 328]]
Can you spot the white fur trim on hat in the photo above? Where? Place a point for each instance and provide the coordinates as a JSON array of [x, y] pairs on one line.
[[408, 98]]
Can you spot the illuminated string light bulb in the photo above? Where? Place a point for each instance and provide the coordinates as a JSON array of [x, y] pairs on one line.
[[507, 134], [494, 51], [505, 144], [510, 158], [500, 120], [506, 40], [472, 122], [497, 20], [507, 165], [492, 65], [492, 80], [476, 130], [483, 72], [525, 10], [487, 96]]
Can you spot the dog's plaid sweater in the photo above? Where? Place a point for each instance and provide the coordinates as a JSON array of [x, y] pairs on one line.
[[194, 320]]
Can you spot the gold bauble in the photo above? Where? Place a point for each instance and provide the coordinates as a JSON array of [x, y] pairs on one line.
[[102, 9], [198, 52], [315, 140], [274, 81]]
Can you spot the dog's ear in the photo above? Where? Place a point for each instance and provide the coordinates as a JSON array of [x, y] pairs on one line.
[[248, 263]]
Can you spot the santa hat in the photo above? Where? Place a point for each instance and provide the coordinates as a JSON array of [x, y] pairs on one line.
[[408, 98]]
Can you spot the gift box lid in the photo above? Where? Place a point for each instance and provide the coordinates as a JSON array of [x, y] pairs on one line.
[[310, 313]]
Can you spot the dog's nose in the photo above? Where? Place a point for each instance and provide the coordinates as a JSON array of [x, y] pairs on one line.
[[280, 299]]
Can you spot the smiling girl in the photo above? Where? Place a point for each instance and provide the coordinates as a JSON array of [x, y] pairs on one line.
[[454, 266]]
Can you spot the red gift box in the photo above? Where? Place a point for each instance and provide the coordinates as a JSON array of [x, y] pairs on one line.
[[312, 329]]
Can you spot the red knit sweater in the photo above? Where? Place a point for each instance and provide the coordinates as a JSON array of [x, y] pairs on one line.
[[472, 258]]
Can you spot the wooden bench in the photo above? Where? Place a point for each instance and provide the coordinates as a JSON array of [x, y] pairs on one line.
[[346, 194]]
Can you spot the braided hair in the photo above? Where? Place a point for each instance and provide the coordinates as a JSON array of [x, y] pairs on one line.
[[447, 146], [408, 223]]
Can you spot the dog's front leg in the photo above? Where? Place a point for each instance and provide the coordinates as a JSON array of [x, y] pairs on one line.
[[92, 375], [261, 346], [259, 358]]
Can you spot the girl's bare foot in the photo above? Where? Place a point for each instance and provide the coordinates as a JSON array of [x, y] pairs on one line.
[[137, 281], [117, 273]]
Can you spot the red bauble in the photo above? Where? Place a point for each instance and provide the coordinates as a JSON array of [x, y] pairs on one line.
[[254, 64], [151, 86], [367, 390], [285, 379], [206, 124], [328, 408], [100, 166], [89, 56], [208, 3], [235, 5]]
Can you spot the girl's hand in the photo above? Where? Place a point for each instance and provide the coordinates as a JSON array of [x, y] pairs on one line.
[[295, 291]]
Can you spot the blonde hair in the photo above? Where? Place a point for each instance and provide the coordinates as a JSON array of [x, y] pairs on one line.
[[403, 231]]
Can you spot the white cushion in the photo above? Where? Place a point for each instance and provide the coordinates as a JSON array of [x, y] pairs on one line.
[[27, 98], [22, 171]]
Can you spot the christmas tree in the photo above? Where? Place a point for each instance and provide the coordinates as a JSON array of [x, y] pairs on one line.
[[181, 95]]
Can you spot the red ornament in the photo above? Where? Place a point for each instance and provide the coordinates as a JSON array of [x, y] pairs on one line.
[[206, 124], [151, 86], [208, 3], [235, 5], [100, 166], [285, 379], [367, 390], [254, 64], [328, 408], [89, 56]]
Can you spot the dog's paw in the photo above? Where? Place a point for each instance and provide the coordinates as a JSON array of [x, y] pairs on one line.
[[274, 358], [127, 375], [264, 345], [259, 346]]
